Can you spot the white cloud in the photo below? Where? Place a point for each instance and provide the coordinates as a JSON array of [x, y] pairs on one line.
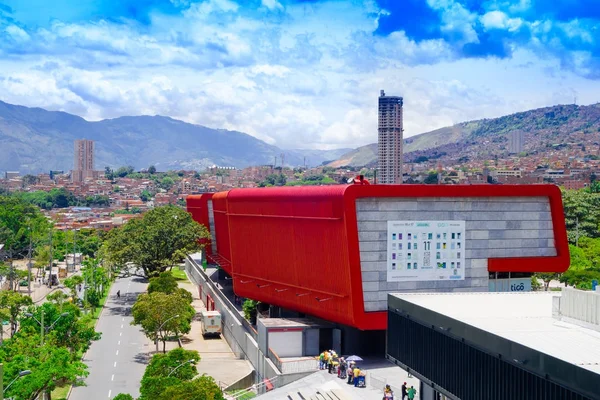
[[499, 20], [272, 4], [17, 33], [302, 79]]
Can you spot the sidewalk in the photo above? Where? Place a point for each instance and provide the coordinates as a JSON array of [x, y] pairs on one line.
[[216, 357]]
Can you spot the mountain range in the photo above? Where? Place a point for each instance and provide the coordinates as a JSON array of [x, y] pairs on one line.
[[35, 140], [543, 129]]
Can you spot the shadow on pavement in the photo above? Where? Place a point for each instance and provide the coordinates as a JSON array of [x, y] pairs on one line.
[[142, 358]]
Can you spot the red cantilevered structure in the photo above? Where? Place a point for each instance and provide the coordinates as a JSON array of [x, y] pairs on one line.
[[323, 250]]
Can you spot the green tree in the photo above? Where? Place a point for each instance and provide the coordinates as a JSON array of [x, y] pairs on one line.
[[249, 308], [13, 304], [124, 171], [161, 365], [167, 183], [162, 316], [431, 179], [152, 170], [145, 195], [109, 173], [29, 180], [50, 367], [165, 283], [71, 330], [547, 277], [59, 298], [201, 388], [73, 284], [20, 223], [123, 396], [155, 242], [582, 213]]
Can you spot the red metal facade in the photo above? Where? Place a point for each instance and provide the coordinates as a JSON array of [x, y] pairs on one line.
[[223, 256], [297, 247], [197, 205]]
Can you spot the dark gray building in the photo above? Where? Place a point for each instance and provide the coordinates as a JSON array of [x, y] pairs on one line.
[[390, 158]]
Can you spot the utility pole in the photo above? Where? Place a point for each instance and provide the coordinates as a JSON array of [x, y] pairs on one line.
[[282, 161], [51, 259], [275, 163], [75, 250], [29, 264], [11, 271], [42, 327], [577, 232], [304, 162]]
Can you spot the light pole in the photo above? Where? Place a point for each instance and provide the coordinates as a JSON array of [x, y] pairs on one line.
[[21, 374], [43, 328], [181, 365], [160, 327]]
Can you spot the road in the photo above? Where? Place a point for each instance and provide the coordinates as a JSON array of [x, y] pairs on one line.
[[117, 361]]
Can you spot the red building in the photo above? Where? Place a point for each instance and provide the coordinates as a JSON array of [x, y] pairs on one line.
[[335, 252]]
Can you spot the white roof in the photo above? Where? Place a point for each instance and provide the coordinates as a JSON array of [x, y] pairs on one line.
[[524, 318]]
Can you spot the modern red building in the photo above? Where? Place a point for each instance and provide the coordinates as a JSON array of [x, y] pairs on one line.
[[335, 252]]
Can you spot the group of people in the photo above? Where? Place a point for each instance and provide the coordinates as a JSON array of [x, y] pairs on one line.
[[407, 393], [330, 361]]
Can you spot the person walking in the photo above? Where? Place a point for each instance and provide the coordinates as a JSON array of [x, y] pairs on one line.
[[404, 392], [118, 294], [322, 360], [411, 393]]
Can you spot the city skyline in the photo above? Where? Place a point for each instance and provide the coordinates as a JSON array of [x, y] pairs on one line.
[[296, 73]]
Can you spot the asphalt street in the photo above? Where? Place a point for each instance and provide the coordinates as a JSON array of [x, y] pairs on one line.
[[117, 361]]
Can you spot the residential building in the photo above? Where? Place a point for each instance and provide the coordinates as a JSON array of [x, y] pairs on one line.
[[84, 160], [515, 142], [390, 139], [11, 175]]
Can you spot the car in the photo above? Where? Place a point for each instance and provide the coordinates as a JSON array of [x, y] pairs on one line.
[[24, 282]]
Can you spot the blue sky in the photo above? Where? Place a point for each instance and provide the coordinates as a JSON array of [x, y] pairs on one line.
[[299, 73]]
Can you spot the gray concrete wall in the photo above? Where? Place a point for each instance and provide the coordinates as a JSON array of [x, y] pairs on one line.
[[211, 223], [240, 341], [494, 228]]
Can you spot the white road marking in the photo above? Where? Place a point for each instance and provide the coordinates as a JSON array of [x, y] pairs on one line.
[[109, 393], [121, 326], [118, 344], [112, 378], [115, 366], [123, 319], [117, 352], [120, 333]]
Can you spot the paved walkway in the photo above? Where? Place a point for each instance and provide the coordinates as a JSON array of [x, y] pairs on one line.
[[216, 357], [117, 361]]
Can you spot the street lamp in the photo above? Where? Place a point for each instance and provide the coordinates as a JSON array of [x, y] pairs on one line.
[[160, 327], [181, 365], [41, 323], [21, 374]]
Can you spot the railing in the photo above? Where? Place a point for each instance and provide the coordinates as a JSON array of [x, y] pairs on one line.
[[293, 366], [259, 388], [199, 271]]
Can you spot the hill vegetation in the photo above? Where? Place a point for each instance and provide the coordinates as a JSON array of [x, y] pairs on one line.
[[543, 128]]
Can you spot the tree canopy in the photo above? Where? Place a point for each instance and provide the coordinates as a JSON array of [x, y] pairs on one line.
[[162, 315], [172, 376], [155, 242]]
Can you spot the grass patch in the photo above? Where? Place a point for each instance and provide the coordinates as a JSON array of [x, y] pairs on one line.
[[242, 394], [61, 393], [179, 274], [96, 314]]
